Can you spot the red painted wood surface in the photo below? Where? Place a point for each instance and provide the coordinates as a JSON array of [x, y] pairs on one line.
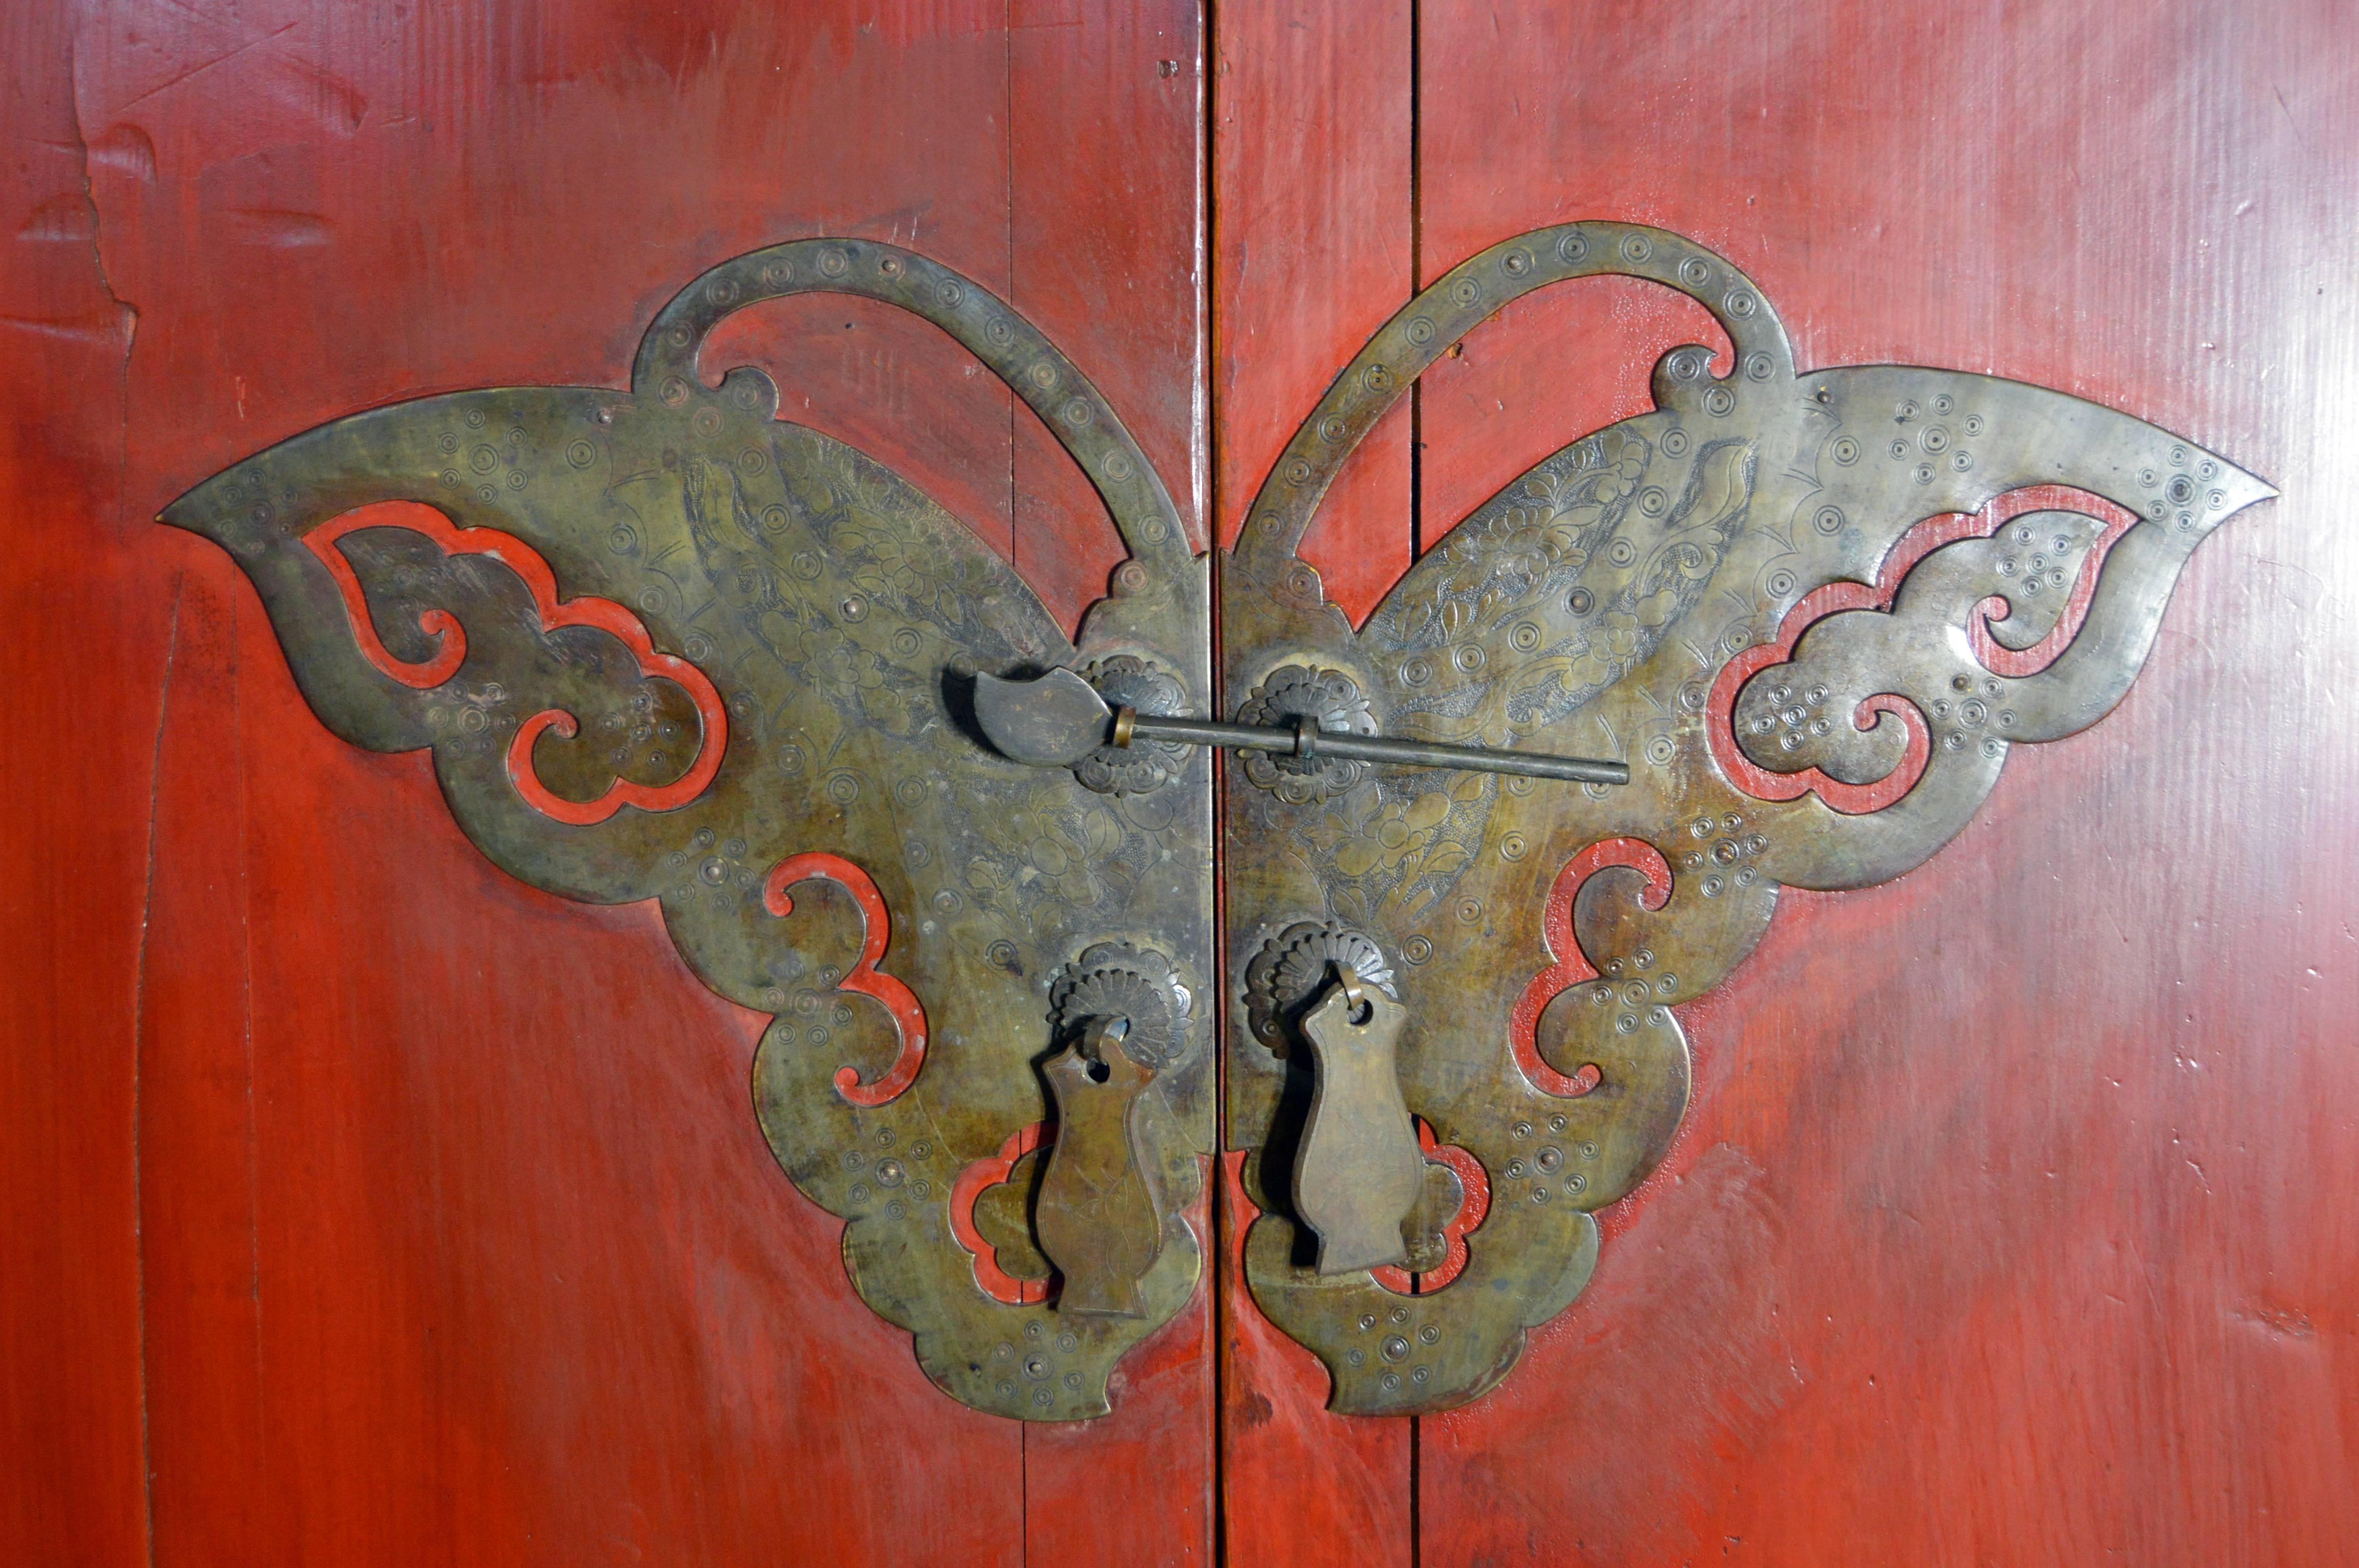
[[73, 858], [1313, 237], [2015, 1220], [363, 1204]]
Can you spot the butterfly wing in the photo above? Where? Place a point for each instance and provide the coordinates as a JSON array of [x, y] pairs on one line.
[[1812, 611], [662, 646]]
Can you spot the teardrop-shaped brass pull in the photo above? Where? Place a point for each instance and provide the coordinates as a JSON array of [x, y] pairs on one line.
[[1099, 1213], [1359, 1170]]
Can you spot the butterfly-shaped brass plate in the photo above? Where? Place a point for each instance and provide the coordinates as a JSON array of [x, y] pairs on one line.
[[664, 646], [1813, 611]]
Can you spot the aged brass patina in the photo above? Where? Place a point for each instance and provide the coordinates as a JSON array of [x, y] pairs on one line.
[[1812, 610], [1059, 718], [664, 646], [1360, 1170]]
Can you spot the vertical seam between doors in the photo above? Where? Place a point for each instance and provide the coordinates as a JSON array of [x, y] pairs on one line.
[[1416, 549]]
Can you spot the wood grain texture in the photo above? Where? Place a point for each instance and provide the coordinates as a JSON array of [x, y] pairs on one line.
[[1107, 226], [362, 1205], [1314, 239], [91, 630], [1312, 244], [459, 1240], [2014, 1220]]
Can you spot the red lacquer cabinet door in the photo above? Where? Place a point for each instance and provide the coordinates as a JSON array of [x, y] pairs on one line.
[[2011, 1219], [366, 1205]]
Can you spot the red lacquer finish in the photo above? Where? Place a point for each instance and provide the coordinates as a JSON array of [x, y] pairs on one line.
[[900, 1003], [326, 542], [2012, 1221], [1314, 248], [364, 1206], [1572, 966], [989, 1171]]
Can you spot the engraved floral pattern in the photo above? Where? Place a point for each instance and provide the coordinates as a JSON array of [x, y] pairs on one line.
[[1127, 681], [1294, 693], [1596, 537], [1384, 851]]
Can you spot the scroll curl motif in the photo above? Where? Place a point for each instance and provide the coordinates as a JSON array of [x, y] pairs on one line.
[[2017, 579], [1738, 593], [818, 617], [1812, 609], [900, 1004], [1573, 966], [326, 543], [993, 1171], [1471, 1186]]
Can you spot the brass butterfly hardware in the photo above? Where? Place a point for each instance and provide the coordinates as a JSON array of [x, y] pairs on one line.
[[1781, 631], [663, 645], [1815, 609]]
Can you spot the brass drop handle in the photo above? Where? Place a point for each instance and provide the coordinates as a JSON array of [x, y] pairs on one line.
[[1099, 1213], [1359, 1169]]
